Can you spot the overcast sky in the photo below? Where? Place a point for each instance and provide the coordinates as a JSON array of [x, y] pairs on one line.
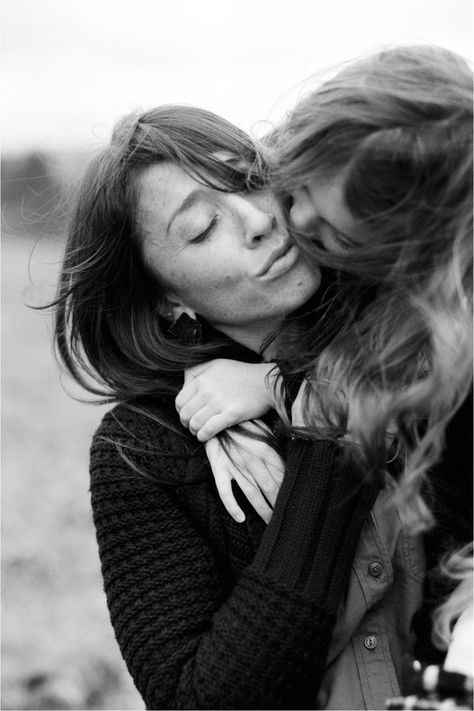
[[71, 67]]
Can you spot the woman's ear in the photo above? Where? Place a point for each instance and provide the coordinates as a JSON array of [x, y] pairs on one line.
[[173, 308], [178, 310]]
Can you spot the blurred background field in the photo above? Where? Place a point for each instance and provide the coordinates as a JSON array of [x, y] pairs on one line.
[[70, 68], [58, 648]]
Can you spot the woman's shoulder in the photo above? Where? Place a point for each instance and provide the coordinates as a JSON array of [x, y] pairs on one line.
[[134, 419], [149, 439]]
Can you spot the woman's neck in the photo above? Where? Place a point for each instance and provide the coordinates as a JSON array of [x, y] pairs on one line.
[[255, 336]]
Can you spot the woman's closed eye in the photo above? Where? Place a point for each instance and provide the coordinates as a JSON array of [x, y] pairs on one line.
[[206, 232]]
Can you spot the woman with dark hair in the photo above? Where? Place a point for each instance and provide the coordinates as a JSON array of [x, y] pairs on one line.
[[171, 222]]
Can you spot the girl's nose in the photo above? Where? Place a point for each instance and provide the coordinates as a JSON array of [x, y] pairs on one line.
[[302, 212]]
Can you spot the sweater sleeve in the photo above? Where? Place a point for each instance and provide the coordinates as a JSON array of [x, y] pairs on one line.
[[189, 642]]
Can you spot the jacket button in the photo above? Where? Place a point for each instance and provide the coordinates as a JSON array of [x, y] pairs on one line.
[[375, 570], [370, 642]]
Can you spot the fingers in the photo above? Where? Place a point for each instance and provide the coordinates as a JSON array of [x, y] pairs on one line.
[[267, 483], [224, 470], [195, 414], [266, 475], [219, 462], [198, 413], [259, 462], [188, 391], [223, 481], [255, 466], [275, 466], [196, 410], [214, 425], [254, 496]]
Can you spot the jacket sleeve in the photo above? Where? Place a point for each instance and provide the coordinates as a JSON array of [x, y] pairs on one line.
[[189, 642]]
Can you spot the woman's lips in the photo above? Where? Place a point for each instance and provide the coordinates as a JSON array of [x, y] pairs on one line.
[[280, 263]]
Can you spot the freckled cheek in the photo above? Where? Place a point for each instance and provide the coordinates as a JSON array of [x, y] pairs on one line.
[[216, 284], [205, 287], [220, 275], [203, 275]]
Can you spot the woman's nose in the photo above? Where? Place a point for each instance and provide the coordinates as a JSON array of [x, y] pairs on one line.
[[260, 225]]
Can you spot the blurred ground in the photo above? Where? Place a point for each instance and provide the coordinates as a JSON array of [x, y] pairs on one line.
[[58, 646]]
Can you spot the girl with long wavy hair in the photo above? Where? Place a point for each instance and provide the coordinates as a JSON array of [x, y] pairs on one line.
[[376, 168], [379, 165]]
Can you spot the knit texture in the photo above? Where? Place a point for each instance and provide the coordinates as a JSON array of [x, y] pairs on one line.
[[208, 613]]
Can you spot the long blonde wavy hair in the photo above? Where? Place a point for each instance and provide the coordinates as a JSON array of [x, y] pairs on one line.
[[398, 126]]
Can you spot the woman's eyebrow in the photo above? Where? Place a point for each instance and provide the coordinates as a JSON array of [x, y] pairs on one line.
[[189, 201]]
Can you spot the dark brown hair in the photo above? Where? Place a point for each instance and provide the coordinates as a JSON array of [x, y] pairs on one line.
[[109, 328]]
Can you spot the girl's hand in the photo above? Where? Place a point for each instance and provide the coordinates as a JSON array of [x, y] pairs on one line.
[[253, 465], [221, 393]]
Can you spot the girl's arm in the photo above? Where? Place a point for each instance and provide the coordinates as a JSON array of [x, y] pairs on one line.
[[222, 393], [218, 395]]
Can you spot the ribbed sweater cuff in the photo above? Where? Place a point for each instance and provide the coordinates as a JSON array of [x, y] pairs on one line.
[[311, 540]]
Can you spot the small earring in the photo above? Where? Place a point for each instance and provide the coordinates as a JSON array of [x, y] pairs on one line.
[[187, 330]]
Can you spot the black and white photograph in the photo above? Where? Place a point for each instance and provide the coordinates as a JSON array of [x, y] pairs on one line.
[[237, 354]]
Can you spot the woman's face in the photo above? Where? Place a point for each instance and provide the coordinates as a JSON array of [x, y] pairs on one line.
[[320, 211], [226, 256]]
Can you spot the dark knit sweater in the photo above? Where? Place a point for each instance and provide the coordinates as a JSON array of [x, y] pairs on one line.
[[209, 613]]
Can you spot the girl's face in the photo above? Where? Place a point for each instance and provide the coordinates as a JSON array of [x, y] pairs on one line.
[[319, 211], [226, 256]]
